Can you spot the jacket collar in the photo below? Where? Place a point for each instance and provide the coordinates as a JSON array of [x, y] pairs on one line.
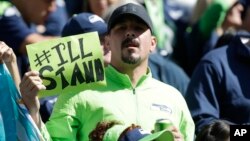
[[243, 50], [123, 79]]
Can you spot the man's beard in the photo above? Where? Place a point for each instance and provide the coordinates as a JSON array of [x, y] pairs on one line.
[[130, 59]]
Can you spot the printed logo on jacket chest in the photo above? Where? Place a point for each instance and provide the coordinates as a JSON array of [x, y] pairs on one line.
[[161, 107]]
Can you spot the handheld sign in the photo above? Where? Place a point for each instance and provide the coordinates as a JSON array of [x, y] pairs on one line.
[[69, 64]]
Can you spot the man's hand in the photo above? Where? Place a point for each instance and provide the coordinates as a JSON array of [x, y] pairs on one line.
[[177, 134]]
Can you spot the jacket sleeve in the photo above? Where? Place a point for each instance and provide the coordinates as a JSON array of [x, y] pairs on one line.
[[202, 97], [64, 122]]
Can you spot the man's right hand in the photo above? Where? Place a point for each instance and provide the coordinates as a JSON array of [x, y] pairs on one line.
[[30, 85], [177, 134]]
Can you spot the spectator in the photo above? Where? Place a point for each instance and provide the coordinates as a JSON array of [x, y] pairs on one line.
[[219, 87], [17, 19], [131, 95]]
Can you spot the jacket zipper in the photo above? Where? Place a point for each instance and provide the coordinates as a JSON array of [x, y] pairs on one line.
[[136, 106]]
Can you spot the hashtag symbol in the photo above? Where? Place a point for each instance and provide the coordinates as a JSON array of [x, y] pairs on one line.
[[41, 58]]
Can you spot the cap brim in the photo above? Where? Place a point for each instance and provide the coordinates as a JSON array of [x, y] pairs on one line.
[[163, 135]]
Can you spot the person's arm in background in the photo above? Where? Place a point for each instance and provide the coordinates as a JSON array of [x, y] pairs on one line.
[[201, 95], [16, 33], [8, 57], [203, 35], [33, 38], [213, 17]]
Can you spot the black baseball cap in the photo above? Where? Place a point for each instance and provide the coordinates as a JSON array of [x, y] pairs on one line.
[[130, 9]]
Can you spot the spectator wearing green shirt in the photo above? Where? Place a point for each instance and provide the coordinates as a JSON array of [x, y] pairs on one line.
[[131, 96]]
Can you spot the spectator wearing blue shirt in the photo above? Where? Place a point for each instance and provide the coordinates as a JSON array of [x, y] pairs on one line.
[[219, 87], [16, 20]]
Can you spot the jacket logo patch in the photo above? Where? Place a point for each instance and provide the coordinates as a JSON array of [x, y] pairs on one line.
[[159, 107]]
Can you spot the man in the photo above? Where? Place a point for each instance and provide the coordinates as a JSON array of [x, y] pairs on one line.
[[131, 96], [17, 19]]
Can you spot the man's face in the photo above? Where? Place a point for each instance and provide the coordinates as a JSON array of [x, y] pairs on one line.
[[37, 11], [130, 41]]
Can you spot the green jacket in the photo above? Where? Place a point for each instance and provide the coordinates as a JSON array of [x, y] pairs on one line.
[[76, 115]]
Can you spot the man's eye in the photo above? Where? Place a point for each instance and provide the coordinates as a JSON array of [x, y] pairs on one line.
[[122, 27], [139, 28]]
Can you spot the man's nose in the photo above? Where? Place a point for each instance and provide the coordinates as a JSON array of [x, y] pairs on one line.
[[130, 32]]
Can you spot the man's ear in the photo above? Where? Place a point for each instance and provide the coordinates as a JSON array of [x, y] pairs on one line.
[[107, 41], [153, 43]]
